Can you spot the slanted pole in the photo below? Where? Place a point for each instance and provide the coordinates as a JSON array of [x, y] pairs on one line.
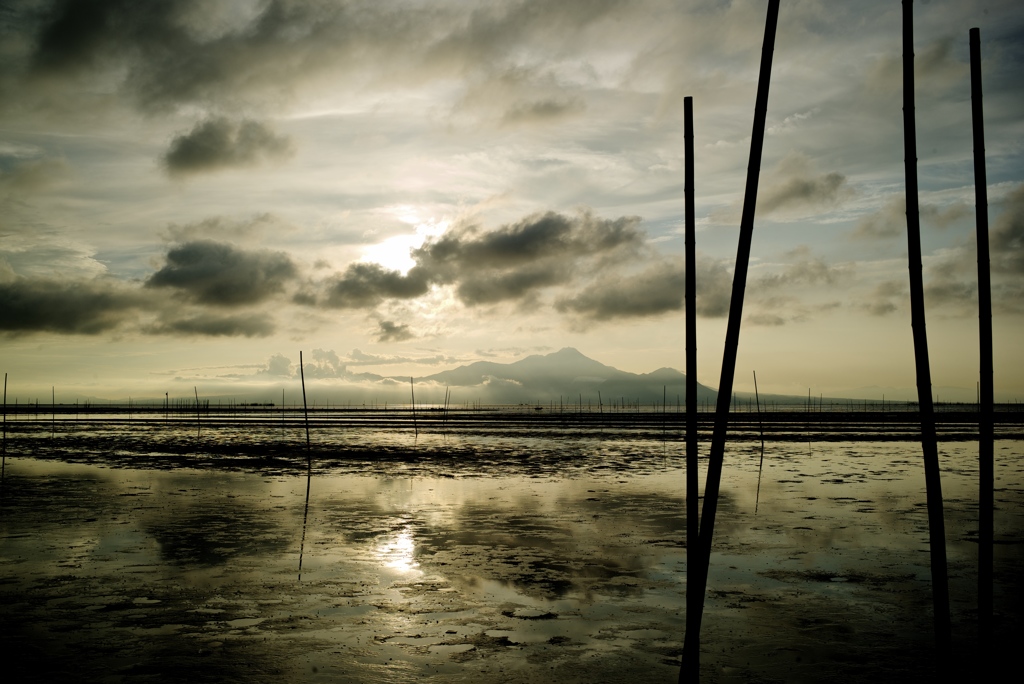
[[929, 444], [690, 670], [305, 410]]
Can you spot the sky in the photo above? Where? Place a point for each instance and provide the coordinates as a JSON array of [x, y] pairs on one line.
[[194, 191]]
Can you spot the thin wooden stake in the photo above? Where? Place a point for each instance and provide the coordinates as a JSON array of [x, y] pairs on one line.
[[305, 410], [199, 428], [4, 466], [760, 425], [412, 391], [690, 670], [929, 445], [986, 400]]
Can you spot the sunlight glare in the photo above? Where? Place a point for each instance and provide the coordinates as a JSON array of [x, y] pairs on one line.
[[394, 253], [399, 552]]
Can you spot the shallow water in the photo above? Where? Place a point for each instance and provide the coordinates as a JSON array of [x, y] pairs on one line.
[[561, 560]]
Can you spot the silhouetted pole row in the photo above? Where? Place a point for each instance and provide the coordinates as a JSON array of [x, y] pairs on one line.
[[985, 389], [933, 484], [693, 599], [698, 575]]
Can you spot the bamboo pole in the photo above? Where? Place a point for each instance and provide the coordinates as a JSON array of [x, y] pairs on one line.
[[760, 425], [199, 428], [690, 670], [305, 410], [929, 446], [985, 386], [412, 391], [3, 467], [693, 599]]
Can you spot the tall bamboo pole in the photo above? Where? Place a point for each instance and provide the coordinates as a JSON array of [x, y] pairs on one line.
[[985, 388], [929, 445], [690, 670], [693, 599]]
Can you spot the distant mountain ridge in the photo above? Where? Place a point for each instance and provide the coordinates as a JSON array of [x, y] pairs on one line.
[[566, 373]]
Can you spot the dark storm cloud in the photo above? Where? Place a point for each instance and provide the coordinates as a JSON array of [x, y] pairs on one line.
[[223, 275], [364, 285], [389, 331], [216, 325], [83, 308], [219, 143]]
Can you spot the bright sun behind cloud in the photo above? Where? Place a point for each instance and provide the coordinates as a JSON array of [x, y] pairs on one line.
[[394, 252]]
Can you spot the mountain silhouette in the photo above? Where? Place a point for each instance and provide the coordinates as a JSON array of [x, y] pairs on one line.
[[566, 373]]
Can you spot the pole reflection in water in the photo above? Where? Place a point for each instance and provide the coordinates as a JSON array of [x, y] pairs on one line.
[[305, 514]]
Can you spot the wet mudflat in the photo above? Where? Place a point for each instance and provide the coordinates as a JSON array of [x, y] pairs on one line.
[[521, 559]]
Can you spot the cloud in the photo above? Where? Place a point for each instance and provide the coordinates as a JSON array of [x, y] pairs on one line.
[[1006, 241], [29, 176], [516, 260], [890, 221], [222, 228], [542, 111], [804, 270], [794, 186], [935, 68], [657, 290], [886, 298], [390, 331], [360, 358], [510, 263], [278, 364], [223, 275], [364, 285], [216, 325], [218, 143], [324, 364], [85, 307]]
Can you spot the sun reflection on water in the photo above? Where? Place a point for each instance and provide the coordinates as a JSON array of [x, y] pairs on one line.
[[399, 552]]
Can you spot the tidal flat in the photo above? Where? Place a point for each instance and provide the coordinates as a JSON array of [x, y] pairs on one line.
[[516, 557]]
